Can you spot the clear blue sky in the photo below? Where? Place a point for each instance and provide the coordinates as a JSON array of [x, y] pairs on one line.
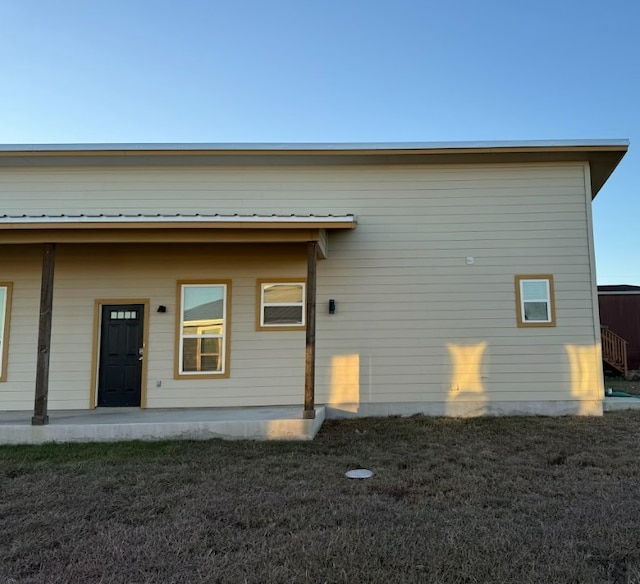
[[330, 71]]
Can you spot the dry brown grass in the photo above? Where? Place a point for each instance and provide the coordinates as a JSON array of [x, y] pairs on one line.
[[517, 500]]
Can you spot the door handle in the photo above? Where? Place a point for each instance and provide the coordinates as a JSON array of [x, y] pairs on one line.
[[141, 353]]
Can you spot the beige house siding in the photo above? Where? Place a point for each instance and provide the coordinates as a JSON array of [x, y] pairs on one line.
[[414, 323], [265, 370]]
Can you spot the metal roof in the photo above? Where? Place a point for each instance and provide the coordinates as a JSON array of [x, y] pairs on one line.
[[174, 218], [122, 221], [312, 146], [618, 289]]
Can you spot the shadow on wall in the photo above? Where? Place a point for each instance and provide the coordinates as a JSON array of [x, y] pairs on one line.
[[466, 395]]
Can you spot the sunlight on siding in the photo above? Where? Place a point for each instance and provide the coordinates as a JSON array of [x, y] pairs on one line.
[[586, 379], [466, 390], [345, 383]]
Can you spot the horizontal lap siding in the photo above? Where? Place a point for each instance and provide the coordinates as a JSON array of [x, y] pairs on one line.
[[21, 265], [151, 272], [408, 303], [402, 287], [266, 368]]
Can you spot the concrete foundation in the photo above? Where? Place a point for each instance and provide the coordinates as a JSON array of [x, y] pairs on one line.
[[466, 409], [260, 423]]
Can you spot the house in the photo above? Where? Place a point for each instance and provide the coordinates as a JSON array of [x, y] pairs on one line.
[[367, 279], [620, 320]]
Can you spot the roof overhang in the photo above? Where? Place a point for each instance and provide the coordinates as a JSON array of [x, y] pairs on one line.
[[602, 155], [140, 221], [172, 228]]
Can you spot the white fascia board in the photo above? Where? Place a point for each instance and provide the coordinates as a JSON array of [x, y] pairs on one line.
[[310, 146]]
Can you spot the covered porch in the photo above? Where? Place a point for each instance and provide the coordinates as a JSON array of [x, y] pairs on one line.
[[260, 419], [118, 424]]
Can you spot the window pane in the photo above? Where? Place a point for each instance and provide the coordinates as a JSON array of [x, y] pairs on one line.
[[210, 346], [536, 311], [189, 354], [282, 293], [203, 305], [3, 305], [283, 315], [203, 320], [193, 360], [210, 363], [534, 290], [202, 330]]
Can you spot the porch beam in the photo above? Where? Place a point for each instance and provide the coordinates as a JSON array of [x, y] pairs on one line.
[[310, 318], [40, 417]]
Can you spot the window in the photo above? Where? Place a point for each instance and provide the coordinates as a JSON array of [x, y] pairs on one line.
[[203, 325], [124, 314], [281, 305], [5, 315], [535, 301]]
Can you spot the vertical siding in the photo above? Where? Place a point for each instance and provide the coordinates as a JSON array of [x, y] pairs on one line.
[[414, 321], [621, 313]]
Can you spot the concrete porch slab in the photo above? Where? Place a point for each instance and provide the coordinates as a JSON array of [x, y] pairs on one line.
[[614, 404], [118, 424]]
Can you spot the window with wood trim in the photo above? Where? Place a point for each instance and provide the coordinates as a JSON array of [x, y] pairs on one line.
[[203, 329], [535, 304], [281, 304], [5, 316]]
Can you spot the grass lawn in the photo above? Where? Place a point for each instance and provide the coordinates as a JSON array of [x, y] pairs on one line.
[[514, 500]]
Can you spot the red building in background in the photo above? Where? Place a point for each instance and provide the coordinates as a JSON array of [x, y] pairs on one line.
[[620, 313]]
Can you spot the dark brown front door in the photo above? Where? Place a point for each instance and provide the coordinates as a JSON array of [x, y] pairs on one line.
[[120, 367]]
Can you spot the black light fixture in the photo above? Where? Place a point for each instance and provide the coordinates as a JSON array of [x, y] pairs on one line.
[[332, 306], [162, 308]]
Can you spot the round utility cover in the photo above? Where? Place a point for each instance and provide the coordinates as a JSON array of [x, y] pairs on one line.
[[359, 473]]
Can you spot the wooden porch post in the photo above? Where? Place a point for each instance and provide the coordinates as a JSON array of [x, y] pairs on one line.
[[40, 416], [310, 319]]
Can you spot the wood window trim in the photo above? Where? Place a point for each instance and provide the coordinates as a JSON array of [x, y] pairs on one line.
[[8, 286], [519, 305], [177, 374], [259, 308]]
